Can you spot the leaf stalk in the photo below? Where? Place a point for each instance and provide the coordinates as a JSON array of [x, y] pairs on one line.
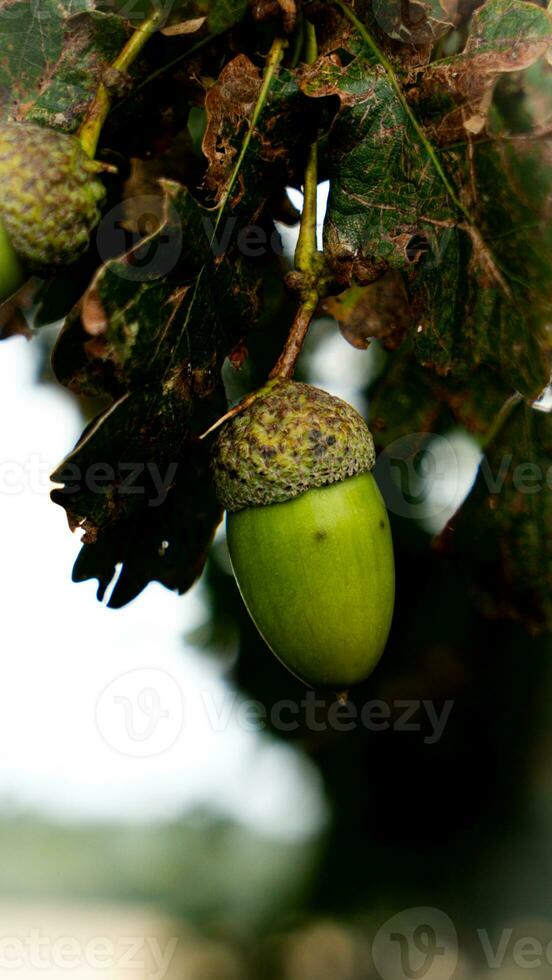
[[271, 65], [89, 133]]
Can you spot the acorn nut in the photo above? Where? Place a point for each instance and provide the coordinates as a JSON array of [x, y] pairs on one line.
[[308, 532]]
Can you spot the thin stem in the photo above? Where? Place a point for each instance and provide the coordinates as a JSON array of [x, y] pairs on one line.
[[500, 419], [285, 365], [236, 410], [384, 61], [272, 62], [306, 253], [306, 243], [98, 112]]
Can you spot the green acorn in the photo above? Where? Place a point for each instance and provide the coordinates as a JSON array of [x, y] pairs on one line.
[[308, 532], [50, 201]]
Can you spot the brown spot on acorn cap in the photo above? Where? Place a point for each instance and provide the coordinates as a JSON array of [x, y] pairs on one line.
[[291, 439]]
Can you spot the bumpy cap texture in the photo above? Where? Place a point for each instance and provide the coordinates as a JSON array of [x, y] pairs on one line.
[[49, 194], [292, 438]]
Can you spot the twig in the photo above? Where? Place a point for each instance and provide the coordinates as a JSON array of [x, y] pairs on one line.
[[306, 243], [500, 419], [285, 364], [98, 112], [306, 255], [307, 259], [247, 401]]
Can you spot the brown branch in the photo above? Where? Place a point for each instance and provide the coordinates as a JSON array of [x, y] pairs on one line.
[[285, 364]]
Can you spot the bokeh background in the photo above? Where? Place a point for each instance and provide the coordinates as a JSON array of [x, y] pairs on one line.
[[151, 801]]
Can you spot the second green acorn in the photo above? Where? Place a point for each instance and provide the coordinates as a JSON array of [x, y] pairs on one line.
[[49, 201]]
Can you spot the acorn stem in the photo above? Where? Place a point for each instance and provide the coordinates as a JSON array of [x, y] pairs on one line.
[[98, 112], [285, 366], [307, 259], [306, 244]]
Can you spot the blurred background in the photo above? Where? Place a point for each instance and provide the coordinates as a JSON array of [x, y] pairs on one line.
[[173, 804]]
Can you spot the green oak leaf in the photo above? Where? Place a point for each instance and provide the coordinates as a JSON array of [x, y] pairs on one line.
[[397, 201], [54, 55]]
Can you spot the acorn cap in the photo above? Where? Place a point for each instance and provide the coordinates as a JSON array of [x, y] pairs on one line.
[[292, 438], [50, 195]]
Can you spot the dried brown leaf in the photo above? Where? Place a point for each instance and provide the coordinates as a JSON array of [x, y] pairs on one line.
[[470, 78], [184, 27], [377, 311], [265, 9], [228, 104]]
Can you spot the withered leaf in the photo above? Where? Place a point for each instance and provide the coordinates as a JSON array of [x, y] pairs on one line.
[[152, 331], [229, 106], [377, 311], [138, 485], [389, 206], [265, 9]]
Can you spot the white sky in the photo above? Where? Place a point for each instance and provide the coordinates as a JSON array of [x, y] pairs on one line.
[[64, 747]]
